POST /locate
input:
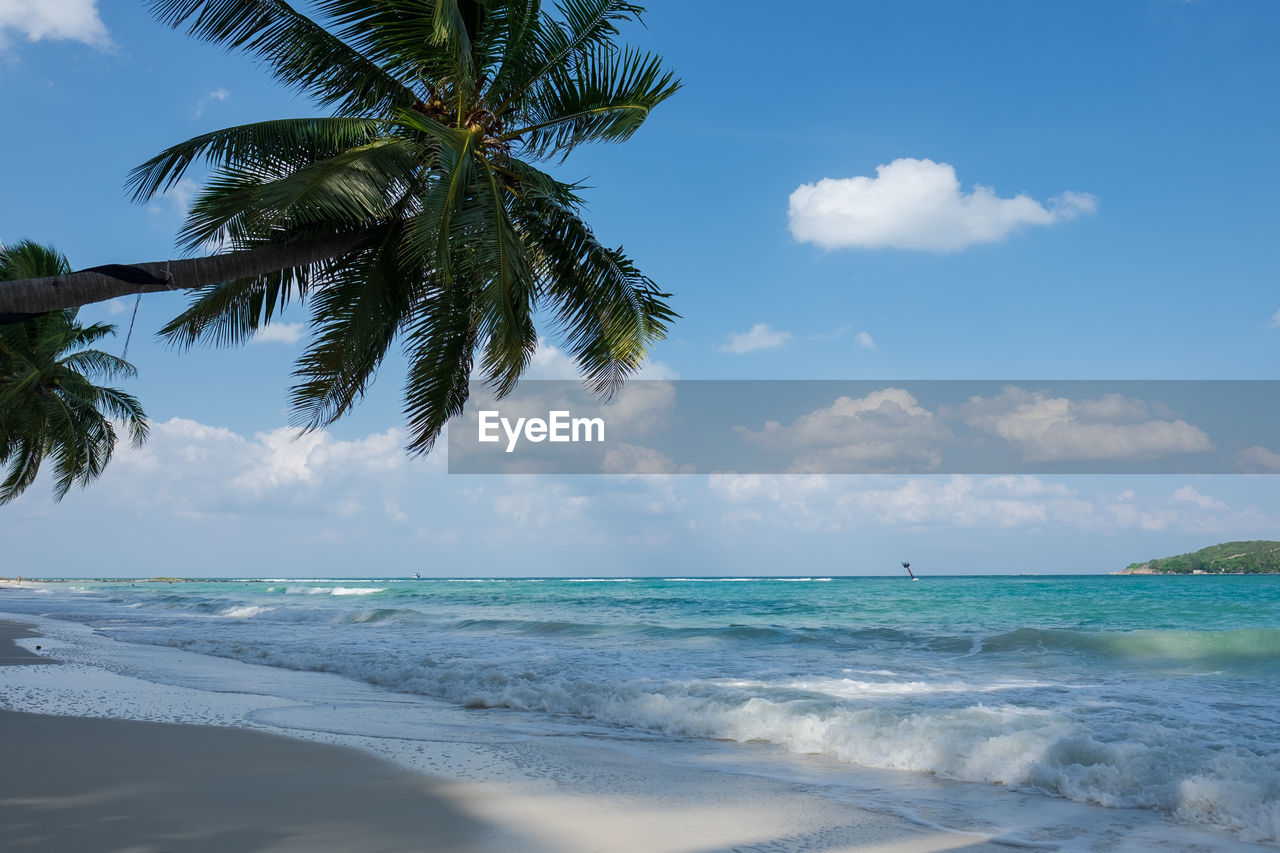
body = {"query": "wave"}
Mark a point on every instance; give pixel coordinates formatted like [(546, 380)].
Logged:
[(1221, 647), (741, 636), (245, 611), (385, 614), (711, 580), (332, 590), (976, 732)]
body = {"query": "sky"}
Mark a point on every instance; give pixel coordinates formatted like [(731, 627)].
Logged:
[(871, 190)]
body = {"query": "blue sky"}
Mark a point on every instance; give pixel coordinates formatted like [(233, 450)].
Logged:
[(813, 197)]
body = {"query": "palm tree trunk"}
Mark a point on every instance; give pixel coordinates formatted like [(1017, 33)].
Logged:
[(31, 296)]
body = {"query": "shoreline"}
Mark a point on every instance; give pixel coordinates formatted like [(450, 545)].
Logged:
[(89, 783)]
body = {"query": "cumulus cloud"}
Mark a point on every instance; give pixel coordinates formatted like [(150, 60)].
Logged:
[(1275, 319), (758, 337), (865, 341), (55, 20), (918, 204), (194, 469), (1051, 429), (885, 430), (278, 333)]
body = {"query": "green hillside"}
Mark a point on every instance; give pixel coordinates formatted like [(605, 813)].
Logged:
[(1260, 557)]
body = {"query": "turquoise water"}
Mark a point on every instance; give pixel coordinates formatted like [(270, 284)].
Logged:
[(1160, 693)]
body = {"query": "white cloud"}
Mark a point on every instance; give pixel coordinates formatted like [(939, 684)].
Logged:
[(918, 204), (1275, 319), (179, 197), (865, 341), (831, 335), (55, 20), (392, 508), (1005, 502), (546, 508), (792, 501), (839, 503), (885, 429), (194, 470), (218, 94), (278, 333), (1259, 460), (760, 336), (1188, 494), (1051, 429), (967, 502), (548, 362), (551, 362), (633, 459)]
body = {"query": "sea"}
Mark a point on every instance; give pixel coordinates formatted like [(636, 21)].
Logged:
[(1112, 707)]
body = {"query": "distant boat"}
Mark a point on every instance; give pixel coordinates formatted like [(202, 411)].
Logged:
[(417, 576), (907, 566)]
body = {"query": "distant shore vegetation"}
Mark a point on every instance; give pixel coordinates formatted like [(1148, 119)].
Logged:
[(1258, 557)]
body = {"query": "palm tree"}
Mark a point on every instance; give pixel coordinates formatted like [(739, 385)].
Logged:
[(418, 214), (49, 406)]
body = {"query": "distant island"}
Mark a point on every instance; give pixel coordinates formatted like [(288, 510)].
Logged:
[(1259, 557)]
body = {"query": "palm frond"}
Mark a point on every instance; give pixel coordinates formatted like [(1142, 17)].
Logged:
[(356, 187), (23, 461), (605, 96), (514, 44), (299, 52), (441, 344), (356, 318), (505, 302), (273, 147), (587, 25), (51, 410), (441, 217), (76, 335), (609, 312), (125, 408), (229, 313), (96, 363), (29, 259), (399, 35)]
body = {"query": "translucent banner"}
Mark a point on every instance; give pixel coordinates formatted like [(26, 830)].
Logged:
[(873, 427)]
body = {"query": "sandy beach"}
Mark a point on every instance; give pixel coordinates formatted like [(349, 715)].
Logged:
[(86, 784)]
